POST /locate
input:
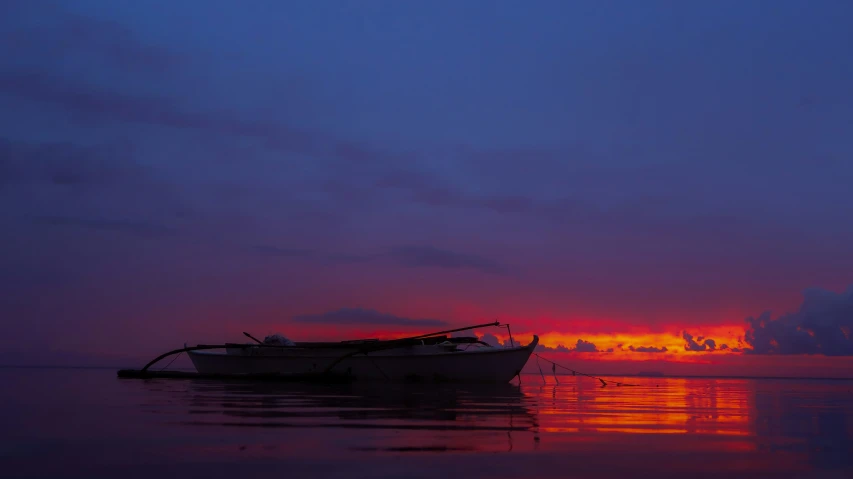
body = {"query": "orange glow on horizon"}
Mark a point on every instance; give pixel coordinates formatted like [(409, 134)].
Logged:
[(621, 343), (611, 346)]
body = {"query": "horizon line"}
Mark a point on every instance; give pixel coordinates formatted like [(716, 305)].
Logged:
[(662, 376)]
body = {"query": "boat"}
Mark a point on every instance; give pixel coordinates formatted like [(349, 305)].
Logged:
[(440, 359), (430, 357)]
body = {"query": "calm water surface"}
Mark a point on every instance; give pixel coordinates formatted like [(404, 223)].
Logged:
[(87, 423)]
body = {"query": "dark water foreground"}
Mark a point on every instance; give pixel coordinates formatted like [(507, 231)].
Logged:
[(87, 424)]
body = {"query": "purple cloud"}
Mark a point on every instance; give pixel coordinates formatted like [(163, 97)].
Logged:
[(67, 164), (58, 33), (275, 251), (319, 256), (547, 349), (429, 256), (585, 347), (647, 349), (699, 344), (136, 228), (580, 347), (365, 316), (822, 325), (428, 188), (105, 105)]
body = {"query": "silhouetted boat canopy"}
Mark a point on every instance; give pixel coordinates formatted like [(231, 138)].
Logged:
[(428, 357)]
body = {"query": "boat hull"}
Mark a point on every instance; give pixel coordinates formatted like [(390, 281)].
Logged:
[(487, 365)]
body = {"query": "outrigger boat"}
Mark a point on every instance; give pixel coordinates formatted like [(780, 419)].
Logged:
[(428, 357)]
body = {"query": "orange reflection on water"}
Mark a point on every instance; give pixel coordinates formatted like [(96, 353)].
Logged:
[(660, 406), (91, 423)]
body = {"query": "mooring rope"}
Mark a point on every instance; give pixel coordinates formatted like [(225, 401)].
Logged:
[(172, 361), (604, 382), (367, 355)]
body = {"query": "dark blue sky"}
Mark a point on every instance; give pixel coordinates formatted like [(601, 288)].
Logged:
[(189, 167)]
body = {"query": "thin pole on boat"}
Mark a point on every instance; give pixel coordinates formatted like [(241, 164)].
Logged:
[(422, 336), (392, 343), (382, 345), (252, 338)]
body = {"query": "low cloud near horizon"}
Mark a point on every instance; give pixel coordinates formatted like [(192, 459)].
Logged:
[(699, 344), (581, 346), (822, 325), (647, 349)]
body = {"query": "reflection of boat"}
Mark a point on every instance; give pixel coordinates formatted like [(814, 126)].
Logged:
[(429, 357), (478, 405), (370, 416)]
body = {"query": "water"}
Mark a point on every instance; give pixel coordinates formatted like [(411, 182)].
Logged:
[(88, 424)]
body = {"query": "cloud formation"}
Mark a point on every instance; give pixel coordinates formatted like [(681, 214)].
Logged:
[(822, 325), (67, 165), (429, 256), (90, 102), (271, 251), (87, 182), (581, 346), (275, 251), (365, 316), (136, 228), (647, 349), (585, 347), (541, 348), (430, 189), (699, 344), (58, 33)]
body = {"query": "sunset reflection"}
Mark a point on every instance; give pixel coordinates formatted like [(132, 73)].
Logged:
[(663, 427), (660, 406)]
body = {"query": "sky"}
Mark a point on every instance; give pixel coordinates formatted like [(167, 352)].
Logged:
[(645, 185)]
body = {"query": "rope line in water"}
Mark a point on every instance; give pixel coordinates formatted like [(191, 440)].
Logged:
[(554, 366)]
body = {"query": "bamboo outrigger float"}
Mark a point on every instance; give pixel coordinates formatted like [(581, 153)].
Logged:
[(427, 357)]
